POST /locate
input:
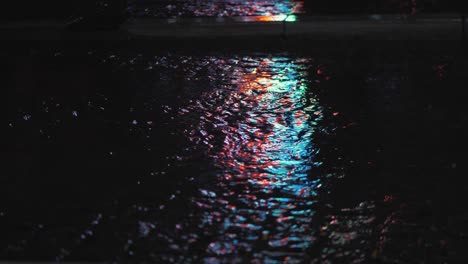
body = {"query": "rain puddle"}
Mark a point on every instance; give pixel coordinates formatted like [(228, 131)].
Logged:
[(278, 8), (215, 8), (212, 158), (257, 133), (217, 155)]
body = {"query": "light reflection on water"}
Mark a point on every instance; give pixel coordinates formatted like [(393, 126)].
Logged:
[(259, 134), (220, 156), (180, 159), (267, 8), (270, 18)]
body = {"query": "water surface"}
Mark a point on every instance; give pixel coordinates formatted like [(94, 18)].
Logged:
[(265, 158)]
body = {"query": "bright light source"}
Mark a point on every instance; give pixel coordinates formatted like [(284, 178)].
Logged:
[(270, 18)]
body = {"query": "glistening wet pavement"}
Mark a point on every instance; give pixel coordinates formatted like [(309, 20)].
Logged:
[(215, 8), (230, 8), (267, 158)]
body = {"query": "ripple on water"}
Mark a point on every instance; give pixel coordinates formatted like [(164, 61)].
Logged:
[(258, 129), (215, 8), (249, 123)]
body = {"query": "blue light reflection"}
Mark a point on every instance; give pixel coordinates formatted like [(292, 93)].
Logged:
[(259, 130)]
